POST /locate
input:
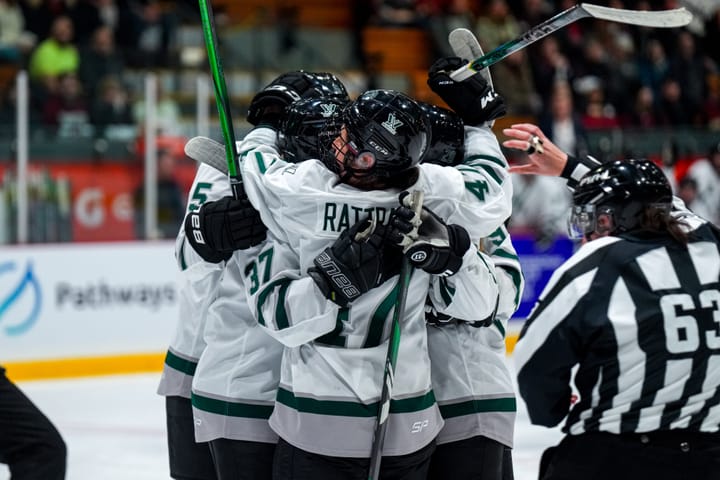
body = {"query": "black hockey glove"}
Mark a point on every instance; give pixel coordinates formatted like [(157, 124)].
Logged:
[(269, 105), (219, 228), (359, 260), (428, 242), (473, 99)]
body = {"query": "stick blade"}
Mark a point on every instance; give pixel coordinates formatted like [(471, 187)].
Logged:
[(465, 45), (208, 151), (678, 17)]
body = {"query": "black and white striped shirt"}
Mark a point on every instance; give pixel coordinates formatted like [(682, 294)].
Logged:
[(640, 320)]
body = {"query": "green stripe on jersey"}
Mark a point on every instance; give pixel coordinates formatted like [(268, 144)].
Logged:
[(478, 406), (352, 409), (281, 318), (180, 364), (231, 409)]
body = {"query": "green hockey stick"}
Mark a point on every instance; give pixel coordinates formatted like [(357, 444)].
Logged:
[(391, 359), (222, 99)]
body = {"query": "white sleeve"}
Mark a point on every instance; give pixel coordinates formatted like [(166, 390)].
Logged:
[(485, 197), (472, 293), (289, 305), (259, 156)]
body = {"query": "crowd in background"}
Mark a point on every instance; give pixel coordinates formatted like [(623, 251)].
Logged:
[(587, 76)]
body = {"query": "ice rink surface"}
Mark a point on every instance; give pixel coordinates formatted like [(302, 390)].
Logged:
[(114, 428)]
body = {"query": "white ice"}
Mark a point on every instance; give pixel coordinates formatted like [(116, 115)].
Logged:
[(114, 428)]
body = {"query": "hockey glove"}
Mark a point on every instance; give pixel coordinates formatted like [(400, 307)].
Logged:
[(219, 228), (359, 260), (269, 105), (473, 99), (433, 246)]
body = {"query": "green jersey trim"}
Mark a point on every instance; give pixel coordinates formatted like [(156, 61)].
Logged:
[(352, 409), (478, 406)]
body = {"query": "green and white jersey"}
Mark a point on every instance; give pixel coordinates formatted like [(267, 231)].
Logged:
[(332, 367), (198, 282), (237, 376), (470, 371)]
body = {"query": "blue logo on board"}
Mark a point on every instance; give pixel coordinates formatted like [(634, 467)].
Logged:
[(20, 299)]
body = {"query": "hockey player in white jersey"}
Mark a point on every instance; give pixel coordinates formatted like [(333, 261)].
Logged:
[(330, 377), (237, 375), (229, 225), (471, 375)]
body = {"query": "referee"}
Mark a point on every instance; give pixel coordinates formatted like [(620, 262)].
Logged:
[(636, 311)]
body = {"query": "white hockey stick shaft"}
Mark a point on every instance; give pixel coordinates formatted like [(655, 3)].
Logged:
[(678, 17)]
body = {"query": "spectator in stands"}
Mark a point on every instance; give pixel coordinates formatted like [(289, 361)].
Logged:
[(711, 106), (496, 25), (400, 13), (513, 80), (444, 17), (597, 113), (111, 107), (672, 110), (653, 67), (687, 191), (148, 34), (549, 66), (85, 16), (706, 173), (39, 16), (170, 200), (167, 112), (643, 114), (15, 41), (99, 60), (689, 68), (562, 124), (532, 12), (66, 110), (711, 40), (54, 56)]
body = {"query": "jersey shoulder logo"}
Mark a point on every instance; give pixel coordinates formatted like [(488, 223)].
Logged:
[(392, 124)]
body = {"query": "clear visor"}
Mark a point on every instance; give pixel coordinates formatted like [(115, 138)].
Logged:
[(582, 221), (360, 162)]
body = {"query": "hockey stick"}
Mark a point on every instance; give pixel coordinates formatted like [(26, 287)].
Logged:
[(678, 17), (221, 98), (206, 150), (465, 45), (391, 358)]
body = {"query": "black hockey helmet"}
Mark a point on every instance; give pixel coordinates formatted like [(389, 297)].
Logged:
[(306, 124), (387, 125), (447, 136), (328, 85), (292, 86), (622, 189)]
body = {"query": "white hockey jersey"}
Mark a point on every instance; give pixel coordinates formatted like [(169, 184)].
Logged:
[(332, 369), (471, 375), (198, 282), (237, 376)]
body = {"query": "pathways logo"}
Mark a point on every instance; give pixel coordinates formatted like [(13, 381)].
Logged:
[(20, 298)]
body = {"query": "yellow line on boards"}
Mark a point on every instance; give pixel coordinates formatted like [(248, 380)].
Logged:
[(110, 365), (84, 367)]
